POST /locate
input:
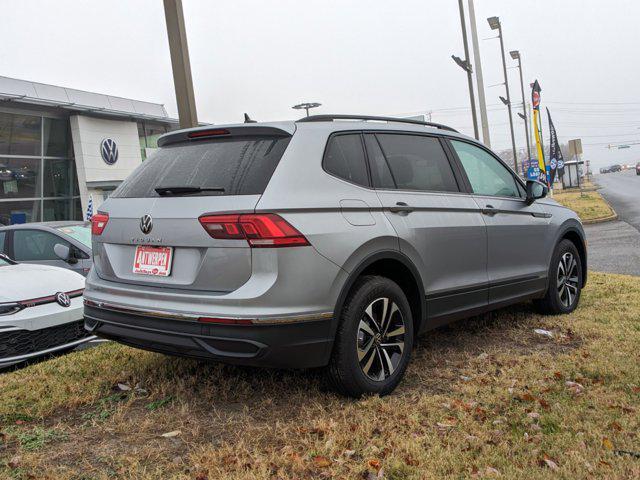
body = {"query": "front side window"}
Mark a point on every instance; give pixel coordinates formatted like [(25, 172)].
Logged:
[(418, 163), (344, 158), (486, 174), (35, 245)]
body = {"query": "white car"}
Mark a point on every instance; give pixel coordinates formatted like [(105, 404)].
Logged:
[(41, 311)]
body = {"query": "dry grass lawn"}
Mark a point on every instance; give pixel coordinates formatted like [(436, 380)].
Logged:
[(486, 397), (588, 205)]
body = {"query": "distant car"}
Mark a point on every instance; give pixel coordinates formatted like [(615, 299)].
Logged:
[(638, 168), (58, 244), (605, 170), (615, 168), (40, 311)]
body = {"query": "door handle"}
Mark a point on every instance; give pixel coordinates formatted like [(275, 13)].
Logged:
[(401, 207), (489, 210)]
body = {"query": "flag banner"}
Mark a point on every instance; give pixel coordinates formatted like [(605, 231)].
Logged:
[(556, 160), (89, 209), (537, 129)]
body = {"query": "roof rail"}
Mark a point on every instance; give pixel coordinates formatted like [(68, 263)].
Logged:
[(331, 118)]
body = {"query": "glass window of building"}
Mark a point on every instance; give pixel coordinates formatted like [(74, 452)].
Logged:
[(38, 179), (20, 134), (56, 137), (148, 133)]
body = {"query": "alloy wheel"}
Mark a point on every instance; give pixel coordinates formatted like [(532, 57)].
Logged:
[(381, 339), (567, 281)]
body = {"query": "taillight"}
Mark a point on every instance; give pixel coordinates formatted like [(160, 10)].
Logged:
[(98, 222), (266, 230)]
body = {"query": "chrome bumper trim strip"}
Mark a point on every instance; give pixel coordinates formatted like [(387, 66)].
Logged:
[(194, 317)]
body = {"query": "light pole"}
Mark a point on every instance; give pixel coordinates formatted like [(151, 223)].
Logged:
[(484, 121), (515, 54), (494, 23), (466, 66), (306, 106), (180, 64)]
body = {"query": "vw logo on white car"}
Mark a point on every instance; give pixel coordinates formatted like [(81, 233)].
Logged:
[(146, 224), (63, 299), (109, 151)]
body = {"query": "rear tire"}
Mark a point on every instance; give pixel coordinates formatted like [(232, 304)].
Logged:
[(374, 339), (565, 281)]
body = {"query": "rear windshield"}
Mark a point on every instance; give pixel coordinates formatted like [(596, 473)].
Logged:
[(226, 166)]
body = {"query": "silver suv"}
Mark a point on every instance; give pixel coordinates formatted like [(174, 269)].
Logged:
[(331, 242)]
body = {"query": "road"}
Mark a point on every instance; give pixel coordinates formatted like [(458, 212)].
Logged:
[(615, 246)]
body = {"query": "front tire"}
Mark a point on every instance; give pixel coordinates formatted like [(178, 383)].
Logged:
[(565, 281), (374, 339)]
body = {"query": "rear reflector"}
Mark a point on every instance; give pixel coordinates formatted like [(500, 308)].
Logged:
[(208, 133), (266, 230), (98, 222), (226, 321)]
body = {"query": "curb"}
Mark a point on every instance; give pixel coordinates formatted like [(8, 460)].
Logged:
[(608, 218), (593, 221)]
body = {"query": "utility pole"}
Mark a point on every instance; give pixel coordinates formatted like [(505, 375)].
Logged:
[(494, 23), (466, 65), (479, 78), (179, 50), (515, 54)]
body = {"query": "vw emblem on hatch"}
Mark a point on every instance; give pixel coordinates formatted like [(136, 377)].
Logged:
[(63, 299), (146, 224), (109, 151)]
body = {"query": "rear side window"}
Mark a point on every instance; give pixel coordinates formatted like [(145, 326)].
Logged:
[(418, 163), (344, 158), (3, 236), (229, 166), (380, 174)]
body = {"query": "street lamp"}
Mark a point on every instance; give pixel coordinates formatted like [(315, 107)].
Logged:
[(306, 106), (515, 54), (466, 66), (494, 23)]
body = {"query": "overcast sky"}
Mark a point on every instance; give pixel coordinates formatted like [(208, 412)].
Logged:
[(375, 57)]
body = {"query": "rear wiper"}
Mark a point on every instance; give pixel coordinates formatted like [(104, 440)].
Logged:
[(175, 191)]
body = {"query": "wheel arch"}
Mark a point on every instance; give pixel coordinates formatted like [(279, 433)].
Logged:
[(398, 267), (573, 232)]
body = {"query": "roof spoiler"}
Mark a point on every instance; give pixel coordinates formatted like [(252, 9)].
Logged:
[(211, 131)]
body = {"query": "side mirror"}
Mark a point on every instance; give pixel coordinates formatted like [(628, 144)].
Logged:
[(63, 252), (535, 190)]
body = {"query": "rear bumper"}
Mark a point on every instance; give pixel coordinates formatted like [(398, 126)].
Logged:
[(299, 343)]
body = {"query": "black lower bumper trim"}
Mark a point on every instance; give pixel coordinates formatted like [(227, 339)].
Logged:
[(302, 345)]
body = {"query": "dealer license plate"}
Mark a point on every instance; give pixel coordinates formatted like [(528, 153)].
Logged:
[(150, 260)]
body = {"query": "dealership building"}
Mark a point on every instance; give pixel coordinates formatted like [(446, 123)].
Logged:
[(61, 146)]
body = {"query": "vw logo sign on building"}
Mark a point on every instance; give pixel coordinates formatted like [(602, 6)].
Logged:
[(146, 224), (63, 299), (109, 151)]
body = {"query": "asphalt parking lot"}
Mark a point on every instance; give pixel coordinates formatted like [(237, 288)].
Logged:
[(614, 247)]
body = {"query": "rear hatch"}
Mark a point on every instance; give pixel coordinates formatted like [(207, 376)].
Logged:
[(205, 171)]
